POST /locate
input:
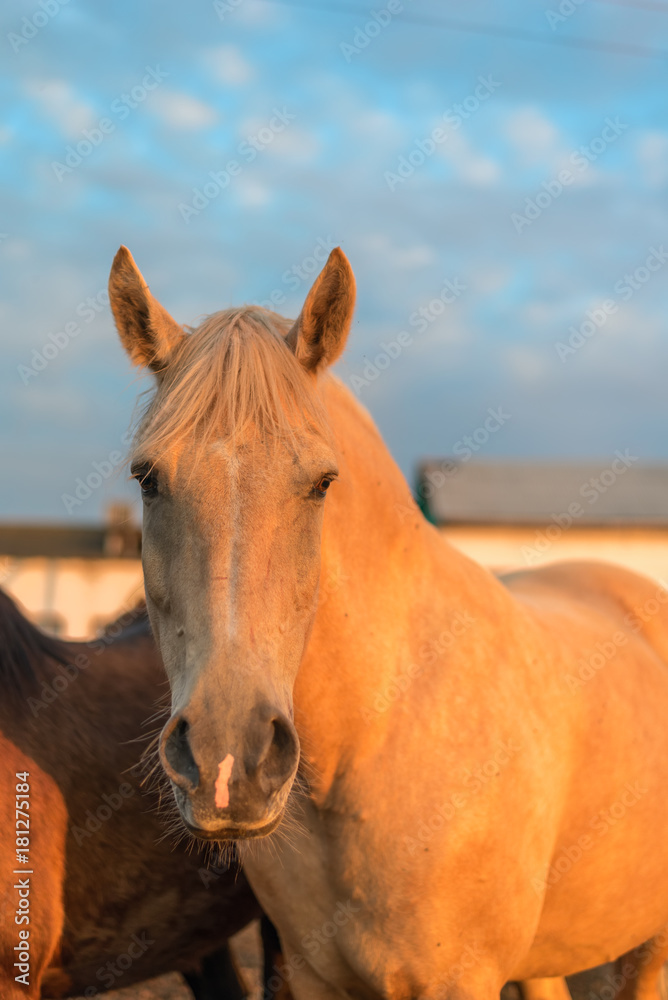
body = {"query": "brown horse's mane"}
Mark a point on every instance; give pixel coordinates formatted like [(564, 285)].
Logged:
[(28, 656), (233, 372), (24, 650), (129, 621)]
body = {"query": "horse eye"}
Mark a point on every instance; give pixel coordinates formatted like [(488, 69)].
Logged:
[(147, 479), (323, 485)]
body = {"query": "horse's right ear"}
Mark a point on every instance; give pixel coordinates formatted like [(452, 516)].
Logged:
[(147, 331), (319, 335)]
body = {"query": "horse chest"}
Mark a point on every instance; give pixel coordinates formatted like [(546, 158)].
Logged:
[(334, 920)]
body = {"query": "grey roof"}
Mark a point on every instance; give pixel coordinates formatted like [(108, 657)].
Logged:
[(57, 541), (606, 492)]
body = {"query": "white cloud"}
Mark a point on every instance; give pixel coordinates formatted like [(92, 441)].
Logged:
[(535, 138), (259, 13), (541, 315), (397, 258), (491, 280), (16, 248), (62, 104), (446, 331), (652, 154), (180, 110), (525, 363), (229, 65), (376, 124), (540, 144), (296, 144), (469, 165), (251, 193)]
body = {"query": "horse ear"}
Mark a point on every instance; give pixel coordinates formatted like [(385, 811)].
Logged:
[(147, 331), (319, 335)]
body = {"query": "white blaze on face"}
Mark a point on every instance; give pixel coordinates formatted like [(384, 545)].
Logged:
[(222, 782)]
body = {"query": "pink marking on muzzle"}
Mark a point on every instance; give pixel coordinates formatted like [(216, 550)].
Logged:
[(222, 782)]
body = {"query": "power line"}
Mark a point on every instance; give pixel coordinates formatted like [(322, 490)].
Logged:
[(493, 30)]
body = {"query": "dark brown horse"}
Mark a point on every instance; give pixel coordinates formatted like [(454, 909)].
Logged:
[(93, 893)]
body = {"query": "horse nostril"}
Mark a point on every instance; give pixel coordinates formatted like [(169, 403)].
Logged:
[(280, 756), (283, 739), (176, 748)]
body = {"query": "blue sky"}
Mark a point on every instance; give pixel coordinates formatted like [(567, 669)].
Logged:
[(169, 93)]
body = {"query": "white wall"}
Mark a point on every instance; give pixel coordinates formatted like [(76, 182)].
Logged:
[(644, 550), (79, 595)]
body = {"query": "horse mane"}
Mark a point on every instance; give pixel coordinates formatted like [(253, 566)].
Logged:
[(24, 651), (128, 623), (28, 655), (232, 373)]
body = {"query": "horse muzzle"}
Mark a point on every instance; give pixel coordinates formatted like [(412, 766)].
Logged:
[(223, 795)]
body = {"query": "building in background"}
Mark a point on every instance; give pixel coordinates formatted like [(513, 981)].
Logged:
[(511, 515), (71, 581)]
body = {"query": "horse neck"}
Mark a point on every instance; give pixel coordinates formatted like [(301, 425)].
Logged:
[(389, 583)]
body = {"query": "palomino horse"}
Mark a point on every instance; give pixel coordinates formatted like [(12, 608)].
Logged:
[(483, 793), (103, 899)]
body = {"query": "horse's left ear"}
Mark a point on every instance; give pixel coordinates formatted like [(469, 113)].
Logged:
[(147, 331), (319, 335)]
